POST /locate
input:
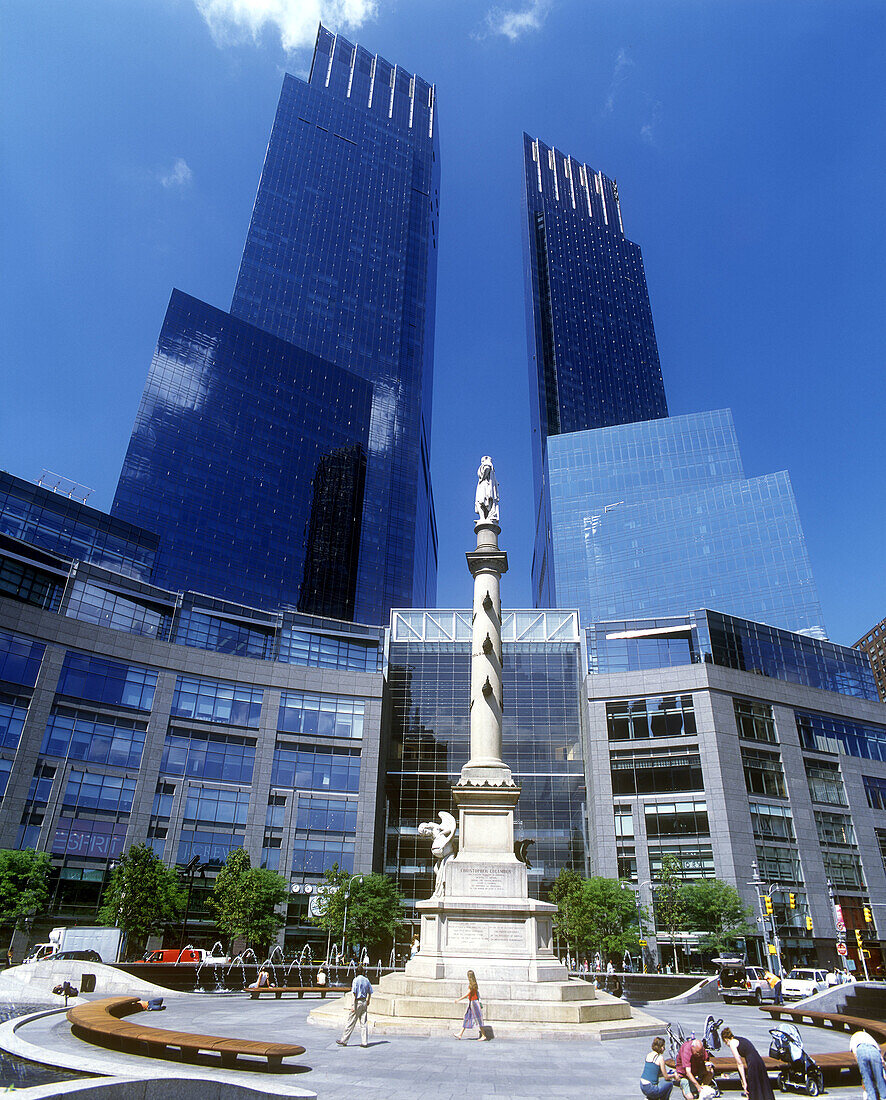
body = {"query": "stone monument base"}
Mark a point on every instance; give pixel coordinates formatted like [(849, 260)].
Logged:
[(571, 1009)]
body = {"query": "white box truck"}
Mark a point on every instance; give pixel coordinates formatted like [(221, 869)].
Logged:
[(105, 942)]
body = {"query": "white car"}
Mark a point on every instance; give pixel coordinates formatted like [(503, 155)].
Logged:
[(803, 982)]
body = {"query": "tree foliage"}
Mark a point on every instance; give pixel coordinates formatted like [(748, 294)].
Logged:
[(245, 900), (374, 908), (142, 897), (596, 914), (24, 883), (669, 911), (715, 909)]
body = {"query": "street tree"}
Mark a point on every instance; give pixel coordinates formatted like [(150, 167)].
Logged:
[(143, 897), (596, 914), (715, 909), (245, 901), (24, 885), (374, 903), (668, 902)]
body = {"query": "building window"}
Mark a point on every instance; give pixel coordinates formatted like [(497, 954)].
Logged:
[(111, 794), (688, 818), (875, 790), (772, 822), (824, 733), (754, 720), (763, 773), (834, 829), (91, 603), (881, 841), (5, 769), (697, 860), (84, 735), (206, 755), (163, 796), (20, 581), (299, 647), (211, 845), (844, 869), (217, 701), (216, 807), (320, 715), (825, 782), (275, 816), (779, 864), (318, 769), (13, 712), (659, 771), (656, 716), (201, 630), (19, 659), (109, 682)]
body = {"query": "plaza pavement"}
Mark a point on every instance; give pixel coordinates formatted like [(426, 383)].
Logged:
[(412, 1068)]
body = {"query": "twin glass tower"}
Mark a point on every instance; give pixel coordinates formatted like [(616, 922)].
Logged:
[(281, 448)]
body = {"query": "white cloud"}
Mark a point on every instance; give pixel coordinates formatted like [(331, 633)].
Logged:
[(232, 21), (179, 176), (512, 24), (623, 65), (648, 129)]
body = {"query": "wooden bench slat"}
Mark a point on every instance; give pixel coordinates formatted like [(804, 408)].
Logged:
[(102, 1019)]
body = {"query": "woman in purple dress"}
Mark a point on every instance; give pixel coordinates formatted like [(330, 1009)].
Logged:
[(751, 1068), (473, 1014)]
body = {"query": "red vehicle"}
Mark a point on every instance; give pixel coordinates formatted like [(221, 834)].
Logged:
[(175, 955)]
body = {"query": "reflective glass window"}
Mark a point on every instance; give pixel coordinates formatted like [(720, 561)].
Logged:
[(87, 677), (102, 739), (19, 658), (217, 701), (320, 715)]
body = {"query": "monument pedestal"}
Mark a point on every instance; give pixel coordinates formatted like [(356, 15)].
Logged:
[(481, 918)]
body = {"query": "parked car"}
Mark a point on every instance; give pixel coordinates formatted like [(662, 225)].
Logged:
[(184, 955), (744, 983), (86, 955), (804, 982)]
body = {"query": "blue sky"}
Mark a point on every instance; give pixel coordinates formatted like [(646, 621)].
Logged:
[(746, 138)]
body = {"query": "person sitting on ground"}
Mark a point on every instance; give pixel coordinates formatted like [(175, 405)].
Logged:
[(692, 1068), (655, 1077)]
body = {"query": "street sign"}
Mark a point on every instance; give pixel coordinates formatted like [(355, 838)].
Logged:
[(643, 943), (772, 950), (841, 948)]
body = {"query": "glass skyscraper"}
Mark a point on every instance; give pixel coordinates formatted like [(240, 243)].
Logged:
[(638, 514), (259, 495)]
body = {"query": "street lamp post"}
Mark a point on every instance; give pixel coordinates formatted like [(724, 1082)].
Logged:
[(192, 868), (774, 887)]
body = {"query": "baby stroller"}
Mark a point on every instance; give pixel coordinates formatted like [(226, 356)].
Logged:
[(800, 1071), (712, 1033)]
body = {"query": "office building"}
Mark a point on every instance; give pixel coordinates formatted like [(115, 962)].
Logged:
[(721, 741), (637, 513), (281, 450), (650, 517), (132, 714), (874, 645)]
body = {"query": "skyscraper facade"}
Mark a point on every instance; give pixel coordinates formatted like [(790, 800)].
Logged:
[(335, 295), (637, 513)]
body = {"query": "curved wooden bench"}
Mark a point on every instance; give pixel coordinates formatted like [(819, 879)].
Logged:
[(102, 1022), (301, 990)]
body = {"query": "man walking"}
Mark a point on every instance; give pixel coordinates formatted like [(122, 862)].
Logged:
[(362, 992)]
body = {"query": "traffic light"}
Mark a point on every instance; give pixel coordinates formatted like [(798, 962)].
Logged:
[(792, 899), (858, 936), (868, 918), (768, 901), (809, 924)]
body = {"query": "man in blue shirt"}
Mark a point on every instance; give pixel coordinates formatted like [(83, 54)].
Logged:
[(362, 991)]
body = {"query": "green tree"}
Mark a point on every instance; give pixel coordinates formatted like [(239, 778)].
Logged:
[(668, 902), (24, 884), (142, 897), (245, 900), (374, 908), (596, 914), (715, 909)]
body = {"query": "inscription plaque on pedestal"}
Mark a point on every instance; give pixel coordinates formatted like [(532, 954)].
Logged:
[(485, 933)]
